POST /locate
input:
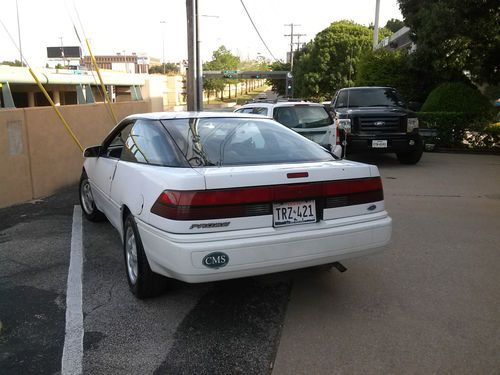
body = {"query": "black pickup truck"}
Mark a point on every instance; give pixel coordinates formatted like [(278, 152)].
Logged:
[(376, 119)]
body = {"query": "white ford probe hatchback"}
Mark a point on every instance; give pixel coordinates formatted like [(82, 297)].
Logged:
[(210, 196)]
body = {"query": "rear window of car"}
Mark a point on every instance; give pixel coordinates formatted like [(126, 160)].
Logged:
[(369, 97), (241, 141), (303, 116)]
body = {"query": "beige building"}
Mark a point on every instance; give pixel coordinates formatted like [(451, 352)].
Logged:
[(124, 63)]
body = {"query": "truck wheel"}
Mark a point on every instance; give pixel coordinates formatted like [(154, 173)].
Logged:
[(87, 203), (412, 157), (143, 282)]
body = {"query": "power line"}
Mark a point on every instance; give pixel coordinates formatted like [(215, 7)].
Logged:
[(14, 43), (258, 33), (298, 40)]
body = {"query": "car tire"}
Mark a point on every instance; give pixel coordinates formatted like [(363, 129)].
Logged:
[(87, 203), (142, 281), (412, 157)]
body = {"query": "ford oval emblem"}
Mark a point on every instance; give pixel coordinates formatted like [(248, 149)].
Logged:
[(379, 123), (372, 207), (215, 260)]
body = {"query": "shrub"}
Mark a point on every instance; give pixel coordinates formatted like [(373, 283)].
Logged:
[(456, 110), (459, 97), (450, 126), (461, 129)]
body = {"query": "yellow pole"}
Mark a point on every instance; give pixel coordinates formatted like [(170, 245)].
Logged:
[(106, 96), (68, 128)]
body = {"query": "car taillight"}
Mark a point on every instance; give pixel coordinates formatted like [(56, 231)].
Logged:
[(337, 135), (256, 201)]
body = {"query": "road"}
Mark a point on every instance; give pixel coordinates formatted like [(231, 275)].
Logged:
[(429, 303)]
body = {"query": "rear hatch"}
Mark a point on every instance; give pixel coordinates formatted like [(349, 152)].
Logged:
[(259, 174), (311, 121)]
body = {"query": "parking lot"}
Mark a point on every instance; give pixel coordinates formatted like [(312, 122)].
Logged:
[(429, 303)]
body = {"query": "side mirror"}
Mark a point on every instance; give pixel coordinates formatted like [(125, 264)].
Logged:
[(344, 124), (92, 152)]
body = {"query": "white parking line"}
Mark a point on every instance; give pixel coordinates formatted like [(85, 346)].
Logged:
[(73, 339)]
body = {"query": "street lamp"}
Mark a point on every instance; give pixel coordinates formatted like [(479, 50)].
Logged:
[(375, 26), (19, 34), (214, 17), (163, 45)]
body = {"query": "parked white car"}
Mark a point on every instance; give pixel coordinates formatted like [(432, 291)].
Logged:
[(210, 196), (312, 120)]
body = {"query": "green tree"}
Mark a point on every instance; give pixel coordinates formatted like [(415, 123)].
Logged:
[(11, 63), (396, 69), (170, 68), (394, 25), (278, 85), (329, 62), (222, 59), (454, 36)]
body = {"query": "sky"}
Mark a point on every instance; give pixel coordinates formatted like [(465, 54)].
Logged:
[(117, 26)]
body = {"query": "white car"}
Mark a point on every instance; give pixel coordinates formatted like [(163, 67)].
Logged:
[(312, 120), (211, 196)]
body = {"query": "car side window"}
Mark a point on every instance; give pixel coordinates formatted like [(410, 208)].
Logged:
[(286, 116), (115, 147), (149, 143), (245, 110), (260, 111)]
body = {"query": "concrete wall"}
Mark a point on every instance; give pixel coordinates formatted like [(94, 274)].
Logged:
[(37, 156), (154, 91), (15, 176)]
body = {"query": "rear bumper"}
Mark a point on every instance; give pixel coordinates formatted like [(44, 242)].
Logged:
[(395, 142), (266, 250)]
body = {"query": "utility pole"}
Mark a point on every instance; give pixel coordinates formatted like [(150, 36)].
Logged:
[(298, 40), (291, 35), (375, 26), (163, 45), (193, 76), (199, 73)]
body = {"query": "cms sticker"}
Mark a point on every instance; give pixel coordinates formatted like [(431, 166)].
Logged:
[(215, 260)]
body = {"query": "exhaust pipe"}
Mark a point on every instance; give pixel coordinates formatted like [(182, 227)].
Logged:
[(339, 266)]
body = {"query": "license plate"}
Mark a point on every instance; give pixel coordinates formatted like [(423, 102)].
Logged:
[(379, 144), (291, 213)]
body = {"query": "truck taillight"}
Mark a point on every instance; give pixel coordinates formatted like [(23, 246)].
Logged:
[(256, 201)]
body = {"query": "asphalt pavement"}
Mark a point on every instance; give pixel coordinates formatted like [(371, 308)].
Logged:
[(429, 303)]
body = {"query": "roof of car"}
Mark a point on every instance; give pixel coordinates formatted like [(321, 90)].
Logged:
[(365, 87), (192, 114), (278, 104)]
